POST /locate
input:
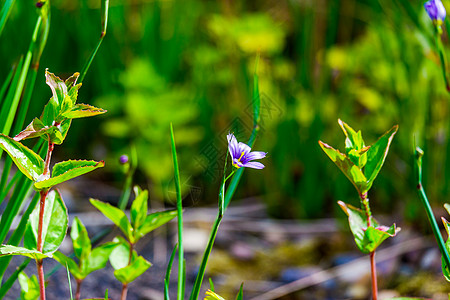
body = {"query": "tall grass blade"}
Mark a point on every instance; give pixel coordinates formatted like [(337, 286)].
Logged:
[(6, 84), (4, 13), (70, 283), (181, 278), (104, 20)]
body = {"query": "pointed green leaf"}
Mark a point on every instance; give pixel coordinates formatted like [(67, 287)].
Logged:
[(132, 271), (353, 173), (99, 257), (367, 238), (83, 111), (28, 162), (67, 170), (54, 227), (80, 240), (377, 154), (58, 87), (139, 208), (153, 221), (14, 250), (29, 287), (116, 215), (354, 139), (71, 264), (240, 295)]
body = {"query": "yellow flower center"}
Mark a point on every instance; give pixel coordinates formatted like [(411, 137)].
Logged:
[(239, 160)]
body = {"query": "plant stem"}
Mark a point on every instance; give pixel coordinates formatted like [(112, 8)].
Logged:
[(373, 272), (373, 266), (77, 293), (125, 285), (39, 246)]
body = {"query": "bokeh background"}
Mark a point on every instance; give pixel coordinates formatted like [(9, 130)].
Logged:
[(370, 63)]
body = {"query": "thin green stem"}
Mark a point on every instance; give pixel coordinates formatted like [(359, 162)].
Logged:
[(442, 57), (424, 199)]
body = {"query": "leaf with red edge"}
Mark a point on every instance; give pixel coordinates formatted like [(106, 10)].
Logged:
[(67, 170), (83, 111)]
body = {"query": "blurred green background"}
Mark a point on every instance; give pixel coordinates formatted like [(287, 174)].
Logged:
[(370, 63)]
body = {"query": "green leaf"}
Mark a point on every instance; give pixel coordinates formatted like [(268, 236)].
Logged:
[(240, 295), (153, 221), (28, 162), (445, 269), (99, 257), (80, 240), (29, 287), (447, 207), (119, 257), (139, 208), (353, 173), (67, 170), (58, 87), (354, 139), (377, 154), (14, 250), (132, 271), (71, 264), (54, 227), (83, 111), (367, 238), (116, 215)]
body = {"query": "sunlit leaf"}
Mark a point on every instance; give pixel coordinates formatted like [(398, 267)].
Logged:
[(99, 257), (28, 162), (139, 208), (119, 257), (35, 129), (210, 295), (377, 154), (54, 227), (83, 111), (155, 220), (29, 287), (80, 240), (67, 170), (116, 215), (367, 238), (14, 250), (132, 271), (353, 173), (354, 139), (445, 269)]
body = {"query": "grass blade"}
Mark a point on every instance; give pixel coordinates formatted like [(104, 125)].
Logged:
[(104, 20), (4, 13), (168, 271), (6, 84), (70, 284), (8, 283), (181, 278)]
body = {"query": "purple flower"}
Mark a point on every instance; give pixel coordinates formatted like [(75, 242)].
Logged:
[(241, 155), (435, 10), (123, 159)]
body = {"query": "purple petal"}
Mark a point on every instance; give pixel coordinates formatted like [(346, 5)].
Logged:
[(233, 146), (435, 10), (254, 155), (244, 148), (254, 165)]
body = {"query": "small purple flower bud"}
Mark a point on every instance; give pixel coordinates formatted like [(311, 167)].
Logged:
[(435, 10), (123, 159), (39, 4)]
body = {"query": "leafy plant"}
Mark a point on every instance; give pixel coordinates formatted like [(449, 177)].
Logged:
[(361, 165), (47, 224), (124, 259)]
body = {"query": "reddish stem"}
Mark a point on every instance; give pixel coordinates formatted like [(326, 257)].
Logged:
[(373, 267), (77, 294), (40, 270)]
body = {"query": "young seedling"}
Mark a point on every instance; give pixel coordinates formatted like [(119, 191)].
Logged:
[(124, 259), (29, 287), (89, 260), (47, 224), (361, 164)]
